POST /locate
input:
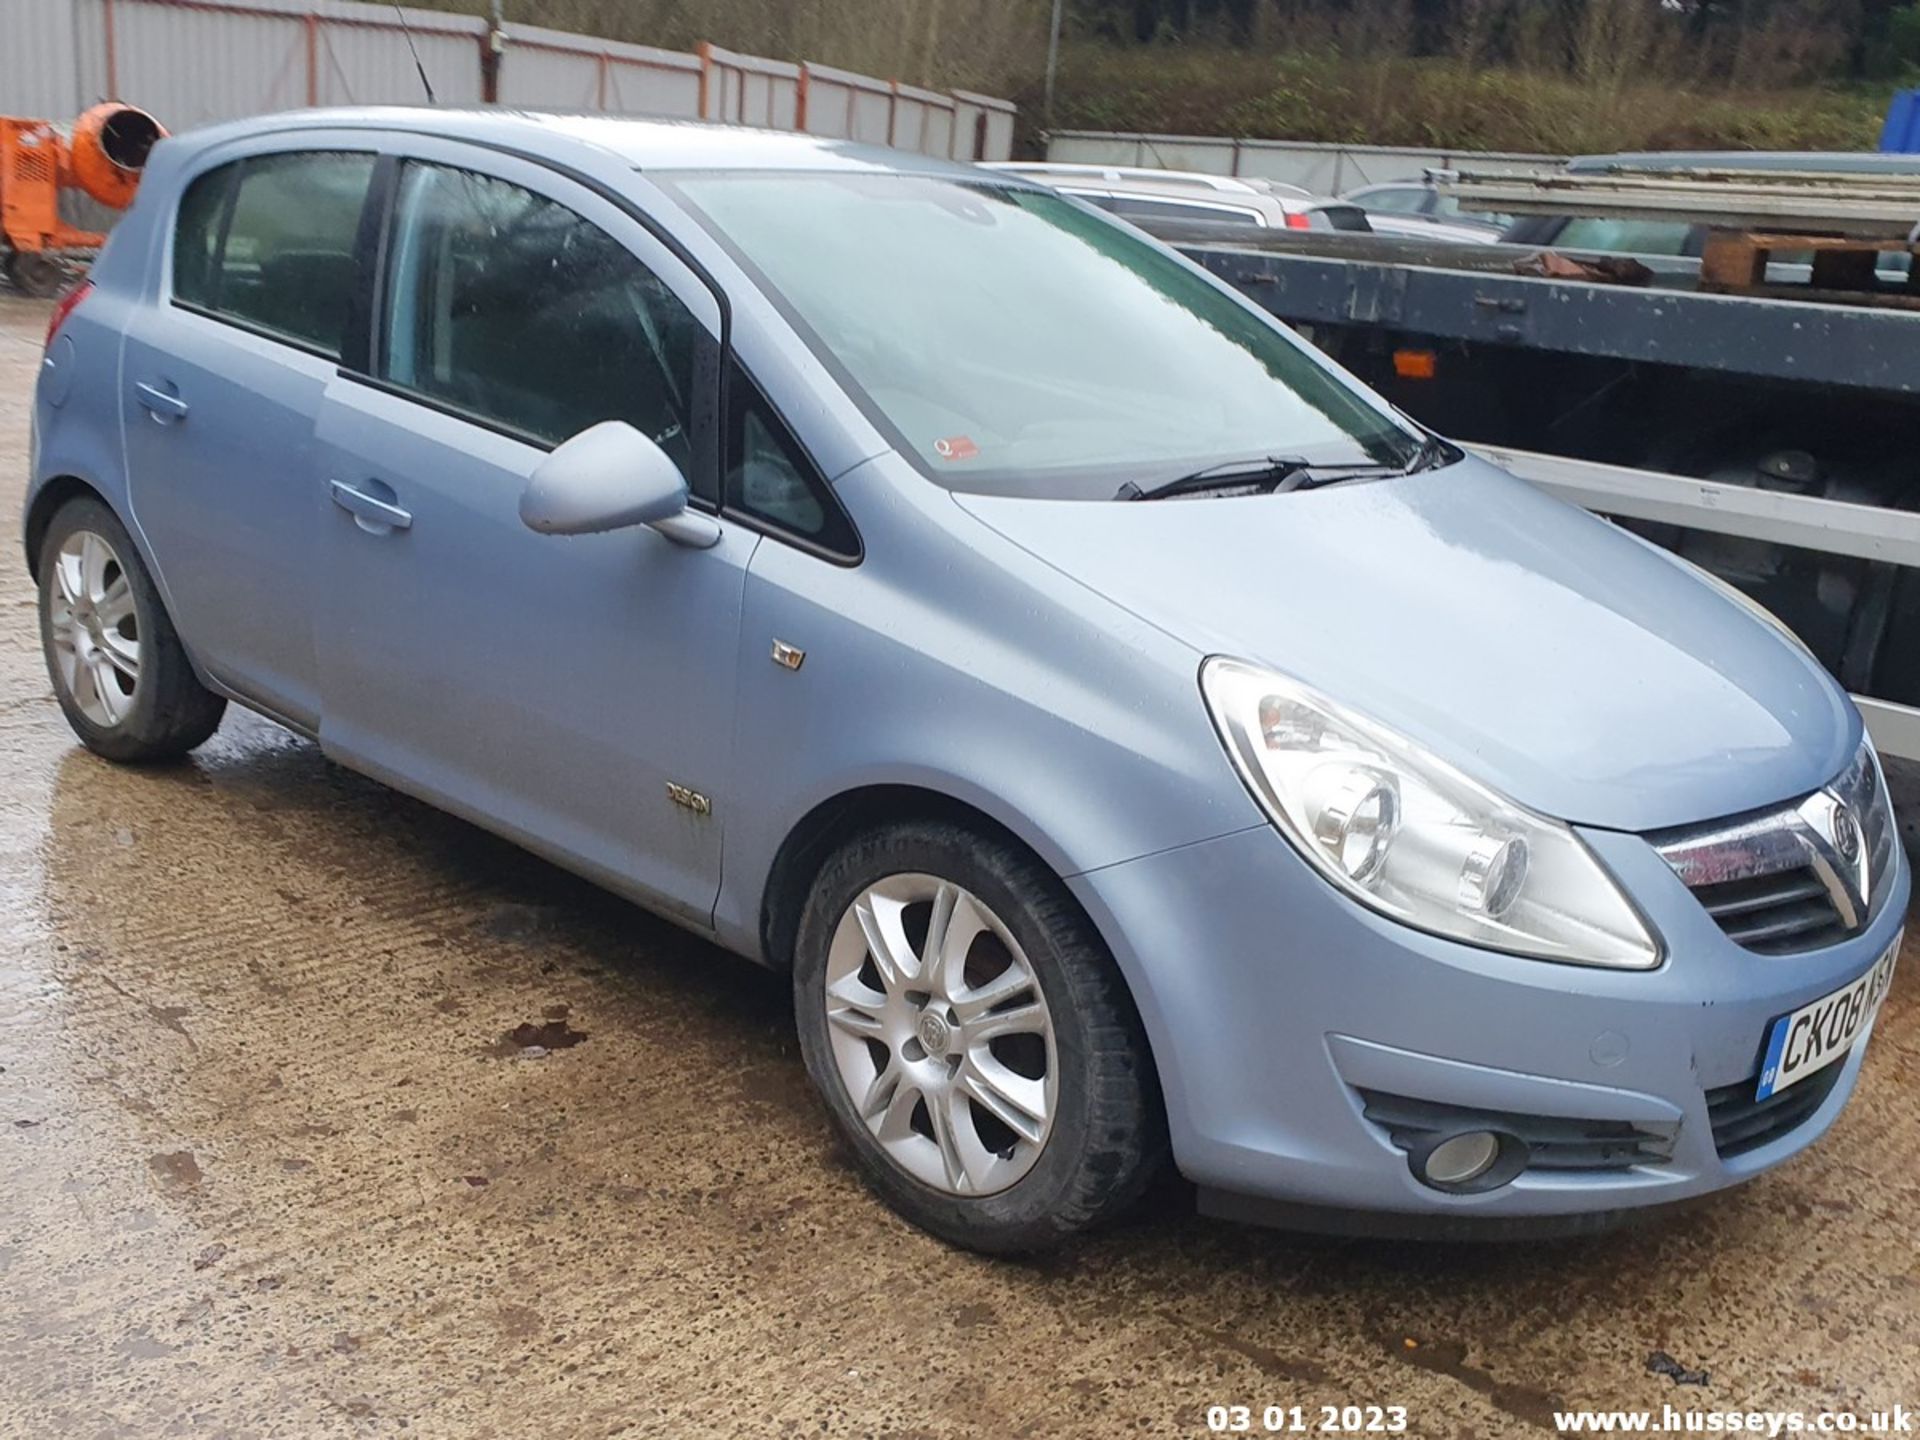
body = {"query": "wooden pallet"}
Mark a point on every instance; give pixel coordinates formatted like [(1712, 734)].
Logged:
[(1844, 269)]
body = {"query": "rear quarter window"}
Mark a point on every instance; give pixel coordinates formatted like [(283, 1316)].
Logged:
[(1338, 217), (196, 238)]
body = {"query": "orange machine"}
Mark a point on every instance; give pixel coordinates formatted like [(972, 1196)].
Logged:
[(103, 157)]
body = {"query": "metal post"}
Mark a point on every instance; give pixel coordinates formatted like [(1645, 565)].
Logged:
[(112, 56), (1053, 58), (313, 57), (493, 46)]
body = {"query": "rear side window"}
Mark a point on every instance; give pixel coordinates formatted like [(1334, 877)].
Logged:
[(269, 242), (509, 307), (1407, 201)]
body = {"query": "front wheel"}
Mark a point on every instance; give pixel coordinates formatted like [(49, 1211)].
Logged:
[(118, 670), (972, 1039)]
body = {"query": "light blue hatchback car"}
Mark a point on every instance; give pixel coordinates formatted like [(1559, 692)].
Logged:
[(1136, 738)]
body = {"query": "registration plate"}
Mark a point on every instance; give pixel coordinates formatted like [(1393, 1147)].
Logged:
[(1820, 1034)]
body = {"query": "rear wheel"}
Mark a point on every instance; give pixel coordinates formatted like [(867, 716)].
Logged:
[(972, 1039), (118, 670)]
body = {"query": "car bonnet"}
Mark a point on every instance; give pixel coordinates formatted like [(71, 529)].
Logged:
[(1547, 653)]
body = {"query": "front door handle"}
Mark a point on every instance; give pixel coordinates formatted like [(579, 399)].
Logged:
[(372, 512), (164, 405)]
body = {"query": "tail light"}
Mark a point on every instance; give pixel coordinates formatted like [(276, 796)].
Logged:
[(65, 306), (1299, 220)]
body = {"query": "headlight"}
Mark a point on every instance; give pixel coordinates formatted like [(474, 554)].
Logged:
[(1405, 833)]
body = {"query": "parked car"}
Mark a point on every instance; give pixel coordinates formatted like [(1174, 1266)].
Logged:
[(1420, 227), (1132, 736), (1191, 197), (1422, 200)]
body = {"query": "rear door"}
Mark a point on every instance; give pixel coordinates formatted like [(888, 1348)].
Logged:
[(223, 375)]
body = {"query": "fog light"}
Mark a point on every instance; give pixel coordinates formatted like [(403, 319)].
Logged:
[(1469, 1161), (1462, 1159)]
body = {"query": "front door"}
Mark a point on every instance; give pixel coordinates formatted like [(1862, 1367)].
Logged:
[(572, 692)]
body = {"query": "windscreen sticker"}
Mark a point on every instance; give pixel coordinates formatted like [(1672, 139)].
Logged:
[(955, 447)]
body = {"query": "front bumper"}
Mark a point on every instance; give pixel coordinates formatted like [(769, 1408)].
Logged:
[(1272, 1001)]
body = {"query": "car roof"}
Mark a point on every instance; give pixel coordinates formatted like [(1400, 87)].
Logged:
[(1145, 180), (646, 144), (1271, 198)]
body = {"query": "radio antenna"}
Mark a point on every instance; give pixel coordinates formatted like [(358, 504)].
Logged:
[(407, 30)]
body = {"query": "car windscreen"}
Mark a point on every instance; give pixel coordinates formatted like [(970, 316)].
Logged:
[(1010, 340)]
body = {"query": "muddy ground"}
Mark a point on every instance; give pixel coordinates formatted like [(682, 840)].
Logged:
[(275, 1160)]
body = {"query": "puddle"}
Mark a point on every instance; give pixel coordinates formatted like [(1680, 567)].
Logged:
[(529, 1041), (177, 1169)]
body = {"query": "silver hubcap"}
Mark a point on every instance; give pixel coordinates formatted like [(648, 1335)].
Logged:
[(941, 1034), (96, 632)]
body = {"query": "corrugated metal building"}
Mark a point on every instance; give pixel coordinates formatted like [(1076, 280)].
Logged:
[(192, 62)]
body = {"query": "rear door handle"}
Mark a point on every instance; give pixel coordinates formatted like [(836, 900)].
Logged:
[(369, 508), (165, 406)]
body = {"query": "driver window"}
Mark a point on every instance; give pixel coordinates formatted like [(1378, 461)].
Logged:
[(509, 307)]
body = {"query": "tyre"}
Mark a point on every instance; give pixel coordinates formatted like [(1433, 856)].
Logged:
[(973, 1039), (36, 275), (118, 670)]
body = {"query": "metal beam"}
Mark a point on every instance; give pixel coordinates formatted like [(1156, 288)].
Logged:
[(1869, 205), (1895, 728), (1847, 346), (1833, 527)]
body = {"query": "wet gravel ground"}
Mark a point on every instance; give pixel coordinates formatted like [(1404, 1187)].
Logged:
[(322, 1113)]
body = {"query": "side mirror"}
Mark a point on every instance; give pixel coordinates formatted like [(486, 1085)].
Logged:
[(611, 477)]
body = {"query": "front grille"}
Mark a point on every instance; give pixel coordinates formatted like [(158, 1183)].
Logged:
[(1553, 1143), (1779, 882), (1742, 1123), (1777, 914)]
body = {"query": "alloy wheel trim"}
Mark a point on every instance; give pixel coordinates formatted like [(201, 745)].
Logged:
[(94, 628), (923, 1104)]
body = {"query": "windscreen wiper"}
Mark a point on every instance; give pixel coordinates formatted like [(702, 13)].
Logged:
[(1277, 474), (1432, 455)]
